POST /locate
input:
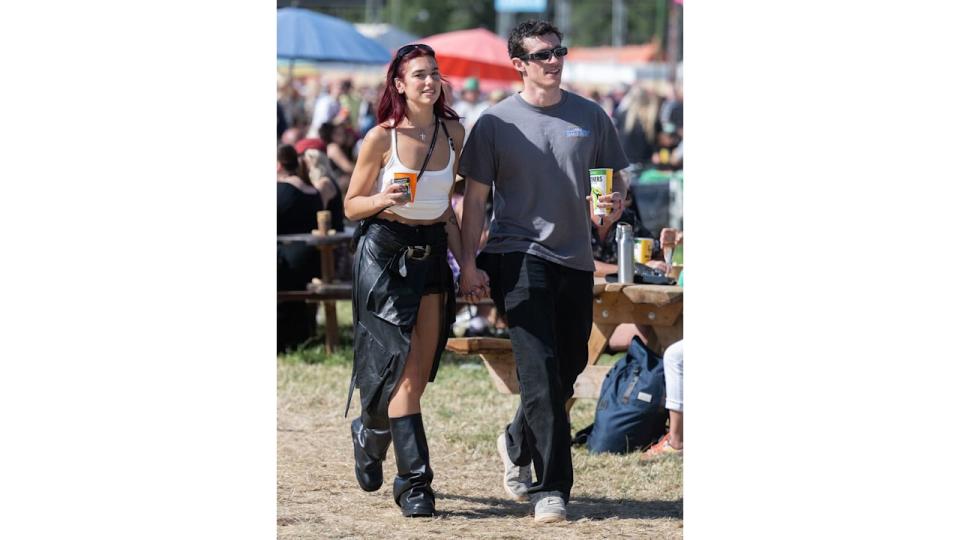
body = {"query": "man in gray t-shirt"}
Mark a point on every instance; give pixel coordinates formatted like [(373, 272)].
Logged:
[(535, 150), (538, 159)]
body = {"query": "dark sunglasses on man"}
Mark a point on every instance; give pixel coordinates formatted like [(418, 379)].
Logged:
[(543, 56)]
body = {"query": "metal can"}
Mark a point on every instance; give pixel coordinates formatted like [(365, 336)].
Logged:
[(408, 185), (601, 183), (642, 250)]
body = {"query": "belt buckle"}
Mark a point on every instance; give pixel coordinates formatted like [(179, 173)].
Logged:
[(418, 253)]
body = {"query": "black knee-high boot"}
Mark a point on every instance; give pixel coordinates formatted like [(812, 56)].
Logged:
[(369, 450), (411, 487)]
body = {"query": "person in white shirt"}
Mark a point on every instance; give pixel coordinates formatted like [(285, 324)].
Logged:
[(325, 109)]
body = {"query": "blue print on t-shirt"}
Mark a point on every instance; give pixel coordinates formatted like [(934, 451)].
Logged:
[(577, 132)]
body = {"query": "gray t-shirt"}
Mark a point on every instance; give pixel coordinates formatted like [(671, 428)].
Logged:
[(538, 161)]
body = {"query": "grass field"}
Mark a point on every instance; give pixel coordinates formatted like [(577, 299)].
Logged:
[(318, 497)]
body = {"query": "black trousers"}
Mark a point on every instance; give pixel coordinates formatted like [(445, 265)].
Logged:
[(549, 312)]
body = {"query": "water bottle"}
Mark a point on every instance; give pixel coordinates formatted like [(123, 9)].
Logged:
[(624, 240)]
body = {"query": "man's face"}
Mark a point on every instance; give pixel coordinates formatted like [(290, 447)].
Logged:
[(543, 73)]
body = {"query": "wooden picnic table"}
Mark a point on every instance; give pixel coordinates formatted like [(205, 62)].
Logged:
[(329, 289), (659, 306)]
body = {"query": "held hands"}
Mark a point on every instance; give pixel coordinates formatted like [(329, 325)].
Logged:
[(474, 283), (613, 201)]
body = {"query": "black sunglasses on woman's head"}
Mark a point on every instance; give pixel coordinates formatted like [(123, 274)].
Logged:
[(407, 49), (544, 55)]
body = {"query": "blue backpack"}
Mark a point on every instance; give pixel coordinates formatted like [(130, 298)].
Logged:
[(630, 411)]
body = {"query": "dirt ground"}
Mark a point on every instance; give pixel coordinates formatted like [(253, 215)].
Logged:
[(318, 497)]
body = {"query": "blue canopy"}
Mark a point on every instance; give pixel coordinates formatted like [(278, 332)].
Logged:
[(307, 35)]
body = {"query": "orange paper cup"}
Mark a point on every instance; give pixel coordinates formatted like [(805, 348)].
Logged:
[(409, 183)]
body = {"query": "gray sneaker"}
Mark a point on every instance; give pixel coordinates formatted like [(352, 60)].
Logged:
[(548, 507), (516, 479)]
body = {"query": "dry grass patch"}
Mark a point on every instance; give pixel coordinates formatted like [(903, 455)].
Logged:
[(318, 497)]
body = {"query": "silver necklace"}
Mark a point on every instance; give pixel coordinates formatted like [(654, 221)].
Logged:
[(423, 136)]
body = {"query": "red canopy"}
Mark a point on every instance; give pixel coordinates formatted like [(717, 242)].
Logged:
[(474, 53)]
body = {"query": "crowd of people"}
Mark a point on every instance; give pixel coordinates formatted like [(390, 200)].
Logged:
[(529, 241), (647, 115)]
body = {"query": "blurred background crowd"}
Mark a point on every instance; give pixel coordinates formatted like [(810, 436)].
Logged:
[(334, 114)]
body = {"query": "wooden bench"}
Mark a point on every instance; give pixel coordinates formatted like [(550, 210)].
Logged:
[(327, 291), (497, 356), (317, 294)]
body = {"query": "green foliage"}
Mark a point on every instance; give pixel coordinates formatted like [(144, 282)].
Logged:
[(590, 23), (315, 353), (590, 20), (428, 17)]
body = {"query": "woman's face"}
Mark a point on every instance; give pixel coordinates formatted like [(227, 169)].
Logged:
[(420, 81)]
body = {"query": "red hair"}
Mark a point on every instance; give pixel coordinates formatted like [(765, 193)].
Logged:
[(393, 106)]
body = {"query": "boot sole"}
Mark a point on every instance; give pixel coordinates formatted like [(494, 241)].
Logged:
[(419, 512), (368, 489)]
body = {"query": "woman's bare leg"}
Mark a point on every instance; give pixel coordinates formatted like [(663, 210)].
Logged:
[(416, 372)]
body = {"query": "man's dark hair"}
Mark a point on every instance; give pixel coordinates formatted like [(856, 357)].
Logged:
[(287, 156), (325, 133), (529, 28)]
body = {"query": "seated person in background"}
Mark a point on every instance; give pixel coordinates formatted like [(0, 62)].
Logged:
[(672, 441), (291, 135), (297, 205), (316, 167), (297, 200), (339, 144), (604, 243), (664, 156), (603, 239)]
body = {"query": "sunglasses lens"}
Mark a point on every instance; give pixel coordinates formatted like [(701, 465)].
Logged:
[(545, 55)]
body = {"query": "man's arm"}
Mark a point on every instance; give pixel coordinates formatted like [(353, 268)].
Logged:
[(472, 282)]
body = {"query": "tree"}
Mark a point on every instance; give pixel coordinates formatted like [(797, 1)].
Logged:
[(428, 17), (591, 22)]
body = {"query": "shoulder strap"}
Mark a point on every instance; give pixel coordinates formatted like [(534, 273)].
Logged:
[(433, 144), (449, 138)]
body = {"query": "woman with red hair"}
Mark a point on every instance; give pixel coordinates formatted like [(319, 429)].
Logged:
[(403, 292)]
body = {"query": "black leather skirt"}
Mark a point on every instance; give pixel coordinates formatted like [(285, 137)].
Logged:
[(394, 267)]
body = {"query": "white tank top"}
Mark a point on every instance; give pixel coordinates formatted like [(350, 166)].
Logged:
[(433, 189)]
